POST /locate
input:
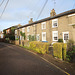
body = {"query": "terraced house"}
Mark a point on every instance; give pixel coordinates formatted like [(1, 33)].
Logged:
[(60, 26)]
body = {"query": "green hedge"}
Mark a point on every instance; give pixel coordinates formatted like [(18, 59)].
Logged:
[(59, 50), (39, 47)]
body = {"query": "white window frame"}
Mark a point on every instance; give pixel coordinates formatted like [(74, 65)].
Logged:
[(23, 30), (15, 37), (27, 36), (44, 23), (28, 29), (63, 36), (37, 37), (54, 35), (1, 35), (20, 37), (53, 23), (15, 31), (42, 36)]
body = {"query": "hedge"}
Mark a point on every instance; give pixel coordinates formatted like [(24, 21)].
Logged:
[(39, 47), (59, 50), (64, 49)]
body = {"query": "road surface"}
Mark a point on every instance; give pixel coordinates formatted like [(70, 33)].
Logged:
[(15, 60)]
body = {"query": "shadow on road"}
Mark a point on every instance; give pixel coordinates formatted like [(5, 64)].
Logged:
[(2, 45)]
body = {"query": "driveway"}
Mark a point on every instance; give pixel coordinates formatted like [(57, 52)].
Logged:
[(15, 60)]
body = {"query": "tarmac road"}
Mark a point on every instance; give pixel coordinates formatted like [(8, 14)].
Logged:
[(15, 60)]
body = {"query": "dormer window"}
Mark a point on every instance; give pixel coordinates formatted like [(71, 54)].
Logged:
[(54, 23)]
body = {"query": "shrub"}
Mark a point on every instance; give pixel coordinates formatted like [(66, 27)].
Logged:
[(70, 50), (59, 50), (39, 47), (17, 39), (23, 35), (60, 40), (64, 49)]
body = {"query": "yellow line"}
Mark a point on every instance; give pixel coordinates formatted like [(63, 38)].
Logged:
[(47, 61), (50, 63)]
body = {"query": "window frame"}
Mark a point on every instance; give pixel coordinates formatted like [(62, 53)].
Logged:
[(15, 31), (37, 36), (27, 36), (28, 29), (63, 36), (53, 23), (23, 30), (43, 24), (54, 35)]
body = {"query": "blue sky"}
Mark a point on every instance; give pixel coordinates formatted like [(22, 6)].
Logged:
[(20, 11)]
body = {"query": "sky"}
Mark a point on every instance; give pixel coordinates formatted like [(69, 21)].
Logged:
[(20, 11)]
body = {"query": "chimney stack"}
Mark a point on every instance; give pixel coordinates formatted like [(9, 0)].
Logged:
[(53, 13), (31, 20)]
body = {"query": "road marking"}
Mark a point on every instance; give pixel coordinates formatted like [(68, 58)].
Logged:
[(46, 61), (50, 63)]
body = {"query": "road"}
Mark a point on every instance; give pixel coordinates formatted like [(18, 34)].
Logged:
[(15, 60)]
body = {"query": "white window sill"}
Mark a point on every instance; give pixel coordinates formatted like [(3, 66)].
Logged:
[(55, 27)]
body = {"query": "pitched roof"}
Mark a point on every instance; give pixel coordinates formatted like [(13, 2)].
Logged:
[(49, 18)]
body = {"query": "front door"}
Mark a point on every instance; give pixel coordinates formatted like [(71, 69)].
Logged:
[(65, 37)]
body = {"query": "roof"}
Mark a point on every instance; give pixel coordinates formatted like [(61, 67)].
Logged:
[(16, 26), (49, 18)]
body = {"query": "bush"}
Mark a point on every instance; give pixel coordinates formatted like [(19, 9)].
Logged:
[(60, 40), (59, 50), (70, 50), (64, 49), (39, 47), (17, 39)]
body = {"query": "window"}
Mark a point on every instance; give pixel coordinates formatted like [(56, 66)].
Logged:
[(15, 31), (65, 36), (55, 35), (28, 29), (23, 30), (27, 36), (20, 37), (15, 37), (43, 36), (38, 37), (8, 31), (54, 23), (1, 35), (44, 25)]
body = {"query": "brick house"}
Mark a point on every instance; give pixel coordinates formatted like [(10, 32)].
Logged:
[(9, 33), (60, 26), (1, 35)]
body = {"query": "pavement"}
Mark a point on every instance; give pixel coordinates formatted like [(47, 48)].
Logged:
[(15, 60)]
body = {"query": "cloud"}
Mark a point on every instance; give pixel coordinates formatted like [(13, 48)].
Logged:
[(18, 11)]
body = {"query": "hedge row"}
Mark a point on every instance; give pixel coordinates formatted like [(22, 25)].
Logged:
[(39, 47), (59, 50)]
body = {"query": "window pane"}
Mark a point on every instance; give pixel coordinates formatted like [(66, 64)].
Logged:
[(55, 24), (55, 38), (65, 36)]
